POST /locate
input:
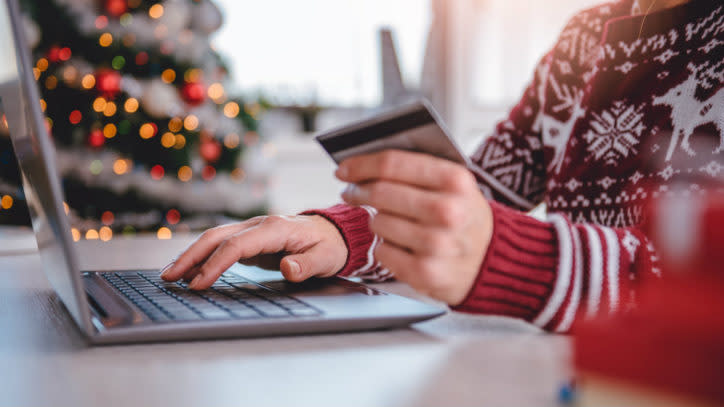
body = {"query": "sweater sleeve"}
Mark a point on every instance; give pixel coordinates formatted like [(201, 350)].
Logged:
[(353, 224), (551, 273), (509, 165)]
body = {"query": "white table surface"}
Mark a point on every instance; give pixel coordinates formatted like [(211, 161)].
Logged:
[(455, 360)]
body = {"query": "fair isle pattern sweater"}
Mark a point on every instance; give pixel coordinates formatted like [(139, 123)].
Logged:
[(614, 92)]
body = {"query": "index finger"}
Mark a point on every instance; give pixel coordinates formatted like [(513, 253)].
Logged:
[(202, 247), (418, 169)]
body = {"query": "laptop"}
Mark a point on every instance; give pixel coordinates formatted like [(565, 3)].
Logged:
[(125, 306)]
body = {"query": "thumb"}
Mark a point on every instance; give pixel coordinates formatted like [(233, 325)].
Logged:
[(315, 262)]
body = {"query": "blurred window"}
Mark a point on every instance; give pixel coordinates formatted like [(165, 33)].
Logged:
[(323, 51)]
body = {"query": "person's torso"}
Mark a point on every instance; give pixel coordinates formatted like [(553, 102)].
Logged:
[(629, 103)]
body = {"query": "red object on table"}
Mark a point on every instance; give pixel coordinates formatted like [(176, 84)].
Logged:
[(674, 340)]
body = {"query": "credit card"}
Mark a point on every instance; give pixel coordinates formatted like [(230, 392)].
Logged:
[(412, 127)]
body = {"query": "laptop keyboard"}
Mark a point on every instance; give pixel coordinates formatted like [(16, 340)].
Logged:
[(231, 297)]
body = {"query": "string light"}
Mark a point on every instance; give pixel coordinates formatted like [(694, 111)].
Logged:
[(6, 202), (99, 104), (70, 74), (168, 76), (173, 216), (131, 105), (168, 139), (101, 22), (163, 233), (185, 173), (147, 130), (175, 124), (180, 142), (215, 91), (238, 175), (75, 117), (64, 54), (75, 233), (156, 11), (96, 167), (36, 73), (126, 19), (157, 172), (91, 234), (105, 233), (42, 64), (51, 82), (110, 109), (66, 208), (118, 62), (43, 105), (107, 218), (193, 75), (191, 122), (141, 58), (208, 173), (109, 130), (231, 140), (88, 81), (231, 109), (120, 167), (105, 40)]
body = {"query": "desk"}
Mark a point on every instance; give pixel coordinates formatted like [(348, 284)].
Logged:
[(456, 360)]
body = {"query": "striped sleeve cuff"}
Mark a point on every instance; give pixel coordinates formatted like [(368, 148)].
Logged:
[(518, 273), (353, 224)]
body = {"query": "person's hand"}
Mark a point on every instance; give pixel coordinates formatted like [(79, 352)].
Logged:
[(301, 246), (434, 221)]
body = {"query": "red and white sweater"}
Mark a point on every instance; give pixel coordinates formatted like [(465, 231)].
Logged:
[(615, 92)]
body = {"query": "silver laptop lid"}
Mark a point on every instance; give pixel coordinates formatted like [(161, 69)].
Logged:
[(20, 100)]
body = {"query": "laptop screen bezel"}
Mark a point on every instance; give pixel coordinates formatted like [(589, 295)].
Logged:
[(41, 181)]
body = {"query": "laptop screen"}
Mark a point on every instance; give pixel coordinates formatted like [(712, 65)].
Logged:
[(20, 101)]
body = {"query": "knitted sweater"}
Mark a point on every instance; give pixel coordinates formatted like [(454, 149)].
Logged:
[(614, 92)]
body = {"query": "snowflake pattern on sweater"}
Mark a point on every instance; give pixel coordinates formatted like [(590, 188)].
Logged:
[(615, 93)]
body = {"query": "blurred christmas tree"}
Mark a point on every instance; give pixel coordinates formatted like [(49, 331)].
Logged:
[(145, 132)]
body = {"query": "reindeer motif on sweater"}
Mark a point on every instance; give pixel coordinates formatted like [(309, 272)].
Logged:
[(688, 112)]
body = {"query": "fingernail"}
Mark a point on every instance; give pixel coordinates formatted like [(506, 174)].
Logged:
[(341, 171), (349, 189), (294, 266), (166, 268), (193, 284)]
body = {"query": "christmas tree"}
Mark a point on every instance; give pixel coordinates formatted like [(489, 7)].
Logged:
[(147, 137)]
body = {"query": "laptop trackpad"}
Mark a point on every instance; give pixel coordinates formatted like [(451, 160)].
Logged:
[(334, 286)]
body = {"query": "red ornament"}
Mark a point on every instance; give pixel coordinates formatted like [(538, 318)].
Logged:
[(108, 83), (210, 150), (96, 139), (53, 54), (193, 93), (116, 8), (157, 172)]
